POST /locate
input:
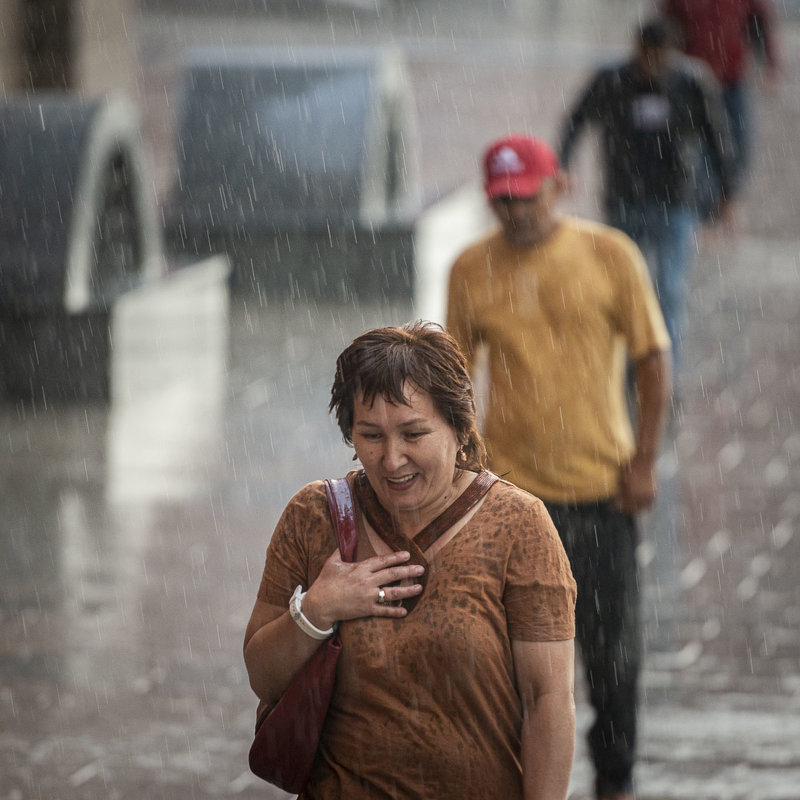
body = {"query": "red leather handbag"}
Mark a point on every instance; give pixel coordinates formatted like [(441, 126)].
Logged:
[(288, 733)]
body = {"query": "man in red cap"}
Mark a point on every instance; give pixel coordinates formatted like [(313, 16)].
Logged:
[(561, 305)]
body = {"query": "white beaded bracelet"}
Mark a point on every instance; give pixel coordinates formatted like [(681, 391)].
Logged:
[(305, 624)]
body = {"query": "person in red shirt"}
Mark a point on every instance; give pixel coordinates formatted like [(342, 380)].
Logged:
[(723, 33)]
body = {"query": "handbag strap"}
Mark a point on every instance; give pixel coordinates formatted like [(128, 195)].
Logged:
[(340, 502), (343, 516)]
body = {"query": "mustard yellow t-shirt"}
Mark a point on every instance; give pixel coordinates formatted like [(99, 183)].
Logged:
[(557, 319)]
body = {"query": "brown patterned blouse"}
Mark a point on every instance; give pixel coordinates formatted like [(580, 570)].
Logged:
[(426, 707)]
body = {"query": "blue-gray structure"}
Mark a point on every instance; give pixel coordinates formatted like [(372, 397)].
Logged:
[(78, 228), (300, 164)]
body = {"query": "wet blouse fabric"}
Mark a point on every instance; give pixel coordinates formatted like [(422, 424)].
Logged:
[(426, 706)]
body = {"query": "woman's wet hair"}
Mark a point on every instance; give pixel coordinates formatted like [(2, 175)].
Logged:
[(381, 362)]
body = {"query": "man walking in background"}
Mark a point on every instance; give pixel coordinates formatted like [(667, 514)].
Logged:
[(561, 304), (654, 117)]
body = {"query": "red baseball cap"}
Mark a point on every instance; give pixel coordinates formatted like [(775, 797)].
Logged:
[(516, 166)]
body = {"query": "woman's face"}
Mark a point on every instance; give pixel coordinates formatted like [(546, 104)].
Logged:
[(408, 452)]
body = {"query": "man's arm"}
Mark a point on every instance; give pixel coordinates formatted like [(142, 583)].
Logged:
[(637, 485), (577, 117), (545, 681), (714, 129)]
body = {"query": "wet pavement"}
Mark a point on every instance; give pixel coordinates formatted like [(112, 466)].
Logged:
[(133, 534)]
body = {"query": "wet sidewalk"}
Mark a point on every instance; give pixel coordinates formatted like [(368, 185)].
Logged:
[(133, 535)]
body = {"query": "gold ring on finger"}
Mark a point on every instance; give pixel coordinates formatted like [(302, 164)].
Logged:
[(381, 596)]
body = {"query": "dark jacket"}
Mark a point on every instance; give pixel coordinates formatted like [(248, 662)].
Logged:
[(657, 138)]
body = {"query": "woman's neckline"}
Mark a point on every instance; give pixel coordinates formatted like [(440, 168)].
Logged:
[(388, 528)]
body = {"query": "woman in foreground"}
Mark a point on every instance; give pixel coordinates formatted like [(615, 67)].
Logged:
[(456, 674)]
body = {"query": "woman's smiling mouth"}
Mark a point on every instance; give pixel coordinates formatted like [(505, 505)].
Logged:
[(399, 483)]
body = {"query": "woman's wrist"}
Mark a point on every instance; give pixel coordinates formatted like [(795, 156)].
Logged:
[(315, 609), (303, 622)]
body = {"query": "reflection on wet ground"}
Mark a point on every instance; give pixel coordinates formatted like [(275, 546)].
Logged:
[(722, 686)]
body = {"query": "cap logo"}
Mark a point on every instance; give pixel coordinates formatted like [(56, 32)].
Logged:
[(506, 161)]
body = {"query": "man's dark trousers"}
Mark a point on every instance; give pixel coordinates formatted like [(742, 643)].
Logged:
[(601, 545)]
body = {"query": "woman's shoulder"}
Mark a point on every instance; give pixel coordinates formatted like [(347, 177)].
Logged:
[(508, 492), (305, 522), (508, 500), (309, 495), (307, 504), (312, 499)]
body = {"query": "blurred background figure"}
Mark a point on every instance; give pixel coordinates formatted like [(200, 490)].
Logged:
[(722, 33), (654, 114)]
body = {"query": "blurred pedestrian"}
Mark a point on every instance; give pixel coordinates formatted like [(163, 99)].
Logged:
[(723, 33), (559, 303), (458, 681), (654, 114)]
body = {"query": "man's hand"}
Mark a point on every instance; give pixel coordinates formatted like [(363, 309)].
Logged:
[(637, 479), (637, 485)]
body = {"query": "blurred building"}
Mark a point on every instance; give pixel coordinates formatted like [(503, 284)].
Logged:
[(80, 46)]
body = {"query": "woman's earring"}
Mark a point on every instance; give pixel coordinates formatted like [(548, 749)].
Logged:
[(462, 456), (355, 456)]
